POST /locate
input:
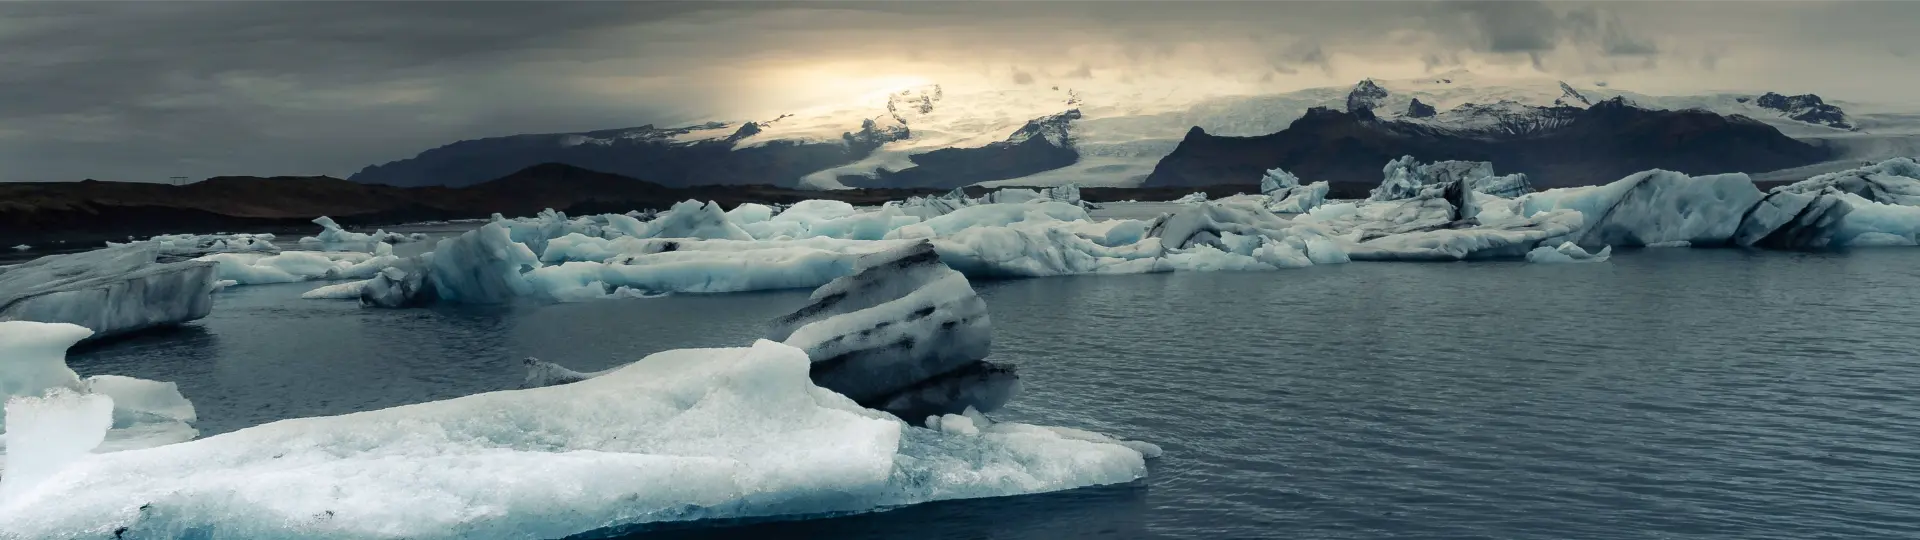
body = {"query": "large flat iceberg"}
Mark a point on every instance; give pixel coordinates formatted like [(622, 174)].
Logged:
[(111, 291), (680, 435)]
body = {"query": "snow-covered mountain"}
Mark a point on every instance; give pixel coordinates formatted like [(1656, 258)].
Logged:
[(931, 137)]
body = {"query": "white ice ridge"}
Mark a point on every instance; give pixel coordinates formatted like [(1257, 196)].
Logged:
[(138, 413), (680, 435)]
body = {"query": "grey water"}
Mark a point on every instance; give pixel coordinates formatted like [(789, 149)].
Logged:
[(1664, 394)]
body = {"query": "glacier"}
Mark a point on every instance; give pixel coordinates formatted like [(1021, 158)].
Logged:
[(110, 291)]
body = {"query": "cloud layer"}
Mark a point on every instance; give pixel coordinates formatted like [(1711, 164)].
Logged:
[(144, 91)]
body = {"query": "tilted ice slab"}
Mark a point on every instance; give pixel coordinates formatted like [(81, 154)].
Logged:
[(680, 435), (904, 334), (140, 413), (110, 291)]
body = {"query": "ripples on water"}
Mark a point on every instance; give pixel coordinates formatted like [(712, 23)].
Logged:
[(1667, 393)]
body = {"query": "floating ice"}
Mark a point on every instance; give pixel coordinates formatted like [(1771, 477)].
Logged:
[(22, 247), (1567, 252), (1895, 181), (33, 357), (1192, 198), (481, 266), (679, 435), (294, 266), (140, 413), (332, 236), (111, 291), (899, 335), (1404, 178)]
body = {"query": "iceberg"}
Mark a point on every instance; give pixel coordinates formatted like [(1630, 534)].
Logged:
[(1405, 178), (897, 334), (680, 435), (34, 378), (295, 266), (1192, 198), (1894, 181), (111, 291), (1652, 207), (1567, 252), (1285, 195), (693, 219), (481, 266), (332, 236), (903, 333)]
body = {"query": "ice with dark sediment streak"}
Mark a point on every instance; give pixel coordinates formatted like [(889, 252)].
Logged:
[(903, 333), (111, 291), (898, 335)]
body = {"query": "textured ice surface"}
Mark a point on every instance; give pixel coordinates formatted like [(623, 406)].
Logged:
[(1405, 178), (1653, 207), (679, 435), (1567, 252), (141, 413), (900, 321), (292, 266), (111, 291), (1895, 181), (481, 266)]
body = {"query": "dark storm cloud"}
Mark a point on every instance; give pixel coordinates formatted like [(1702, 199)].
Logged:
[(147, 90), (1509, 27)]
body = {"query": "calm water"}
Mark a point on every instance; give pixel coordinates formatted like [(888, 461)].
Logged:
[(1666, 394)]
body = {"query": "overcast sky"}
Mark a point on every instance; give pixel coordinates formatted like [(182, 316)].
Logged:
[(144, 91)]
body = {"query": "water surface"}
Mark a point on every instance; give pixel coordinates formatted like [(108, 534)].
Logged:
[(1664, 394)]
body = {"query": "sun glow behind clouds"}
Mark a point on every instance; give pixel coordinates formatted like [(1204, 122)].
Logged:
[(781, 89)]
